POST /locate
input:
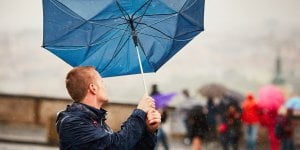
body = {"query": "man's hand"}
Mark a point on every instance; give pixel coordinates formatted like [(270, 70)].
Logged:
[(146, 103), (153, 120)]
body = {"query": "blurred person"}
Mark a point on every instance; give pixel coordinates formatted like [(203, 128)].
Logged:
[(230, 129), (154, 90), (211, 118), (250, 119), (185, 107), (82, 125), (161, 134), (197, 123), (267, 118), (284, 129)]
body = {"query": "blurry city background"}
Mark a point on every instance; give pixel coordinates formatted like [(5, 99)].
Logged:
[(245, 45), (238, 48)]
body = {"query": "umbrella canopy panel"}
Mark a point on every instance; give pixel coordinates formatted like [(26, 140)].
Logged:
[(103, 34)]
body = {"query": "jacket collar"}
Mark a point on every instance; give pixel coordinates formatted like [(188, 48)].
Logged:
[(99, 114)]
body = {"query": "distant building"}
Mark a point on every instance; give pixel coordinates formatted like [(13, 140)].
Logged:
[(278, 78)]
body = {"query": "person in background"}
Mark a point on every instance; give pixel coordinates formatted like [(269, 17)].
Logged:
[(82, 125), (162, 137), (161, 134), (211, 119), (185, 107), (230, 129), (284, 129), (250, 119), (197, 123), (154, 90)]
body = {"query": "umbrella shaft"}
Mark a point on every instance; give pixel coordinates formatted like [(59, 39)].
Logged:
[(141, 68), (133, 33)]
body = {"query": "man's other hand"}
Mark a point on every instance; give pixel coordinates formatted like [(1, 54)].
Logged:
[(153, 120)]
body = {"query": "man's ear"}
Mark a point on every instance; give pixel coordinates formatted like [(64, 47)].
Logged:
[(92, 88)]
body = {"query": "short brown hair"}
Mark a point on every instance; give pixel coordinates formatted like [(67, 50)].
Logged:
[(78, 80)]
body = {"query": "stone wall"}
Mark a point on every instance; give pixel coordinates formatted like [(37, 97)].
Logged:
[(38, 110)]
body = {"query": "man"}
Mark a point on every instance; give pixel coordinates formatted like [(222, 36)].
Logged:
[(82, 125)]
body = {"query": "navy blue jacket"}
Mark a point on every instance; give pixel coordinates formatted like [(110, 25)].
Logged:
[(82, 127)]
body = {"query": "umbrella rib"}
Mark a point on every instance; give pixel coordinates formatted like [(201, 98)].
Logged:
[(188, 33), (173, 15), (110, 30), (117, 51), (62, 49), (167, 36), (104, 25), (106, 40), (78, 16), (157, 15), (101, 43), (186, 17), (124, 13), (148, 2), (92, 20), (81, 23), (156, 30), (141, 17)]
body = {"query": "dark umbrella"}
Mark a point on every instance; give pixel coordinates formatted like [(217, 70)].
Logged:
[(120, 37), (233, 95), (213, 90)]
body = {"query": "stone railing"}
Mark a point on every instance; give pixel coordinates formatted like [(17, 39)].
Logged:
[(42, 111)]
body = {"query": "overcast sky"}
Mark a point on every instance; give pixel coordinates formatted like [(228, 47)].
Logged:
[(236, 31)]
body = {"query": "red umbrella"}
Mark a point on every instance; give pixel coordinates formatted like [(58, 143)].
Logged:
[(270, 97)]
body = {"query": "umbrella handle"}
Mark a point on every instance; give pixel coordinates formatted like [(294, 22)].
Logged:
[(142, 70)]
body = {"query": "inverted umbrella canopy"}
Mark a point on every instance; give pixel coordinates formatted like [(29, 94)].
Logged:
[(106, 33)]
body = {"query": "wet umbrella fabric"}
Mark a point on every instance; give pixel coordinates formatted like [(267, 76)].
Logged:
[(109, 34)]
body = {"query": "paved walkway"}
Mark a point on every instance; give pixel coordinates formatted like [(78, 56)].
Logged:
[(24, 137), (27, 137)]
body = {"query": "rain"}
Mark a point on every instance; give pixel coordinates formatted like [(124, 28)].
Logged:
[(246, 49)]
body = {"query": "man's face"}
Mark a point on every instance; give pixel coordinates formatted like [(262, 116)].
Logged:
[(101, 93)]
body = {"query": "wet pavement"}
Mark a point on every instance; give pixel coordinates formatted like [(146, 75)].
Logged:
[(24, 137)]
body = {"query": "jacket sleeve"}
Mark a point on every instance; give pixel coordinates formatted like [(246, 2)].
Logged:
[(80, 133), (147, 142)]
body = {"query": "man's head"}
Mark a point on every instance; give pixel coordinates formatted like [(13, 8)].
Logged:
[(85, 81)]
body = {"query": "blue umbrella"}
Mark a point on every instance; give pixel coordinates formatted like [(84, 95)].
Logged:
[(120, 37), (293, 103)]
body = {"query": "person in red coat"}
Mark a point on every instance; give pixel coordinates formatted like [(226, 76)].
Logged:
[(250, 119)]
